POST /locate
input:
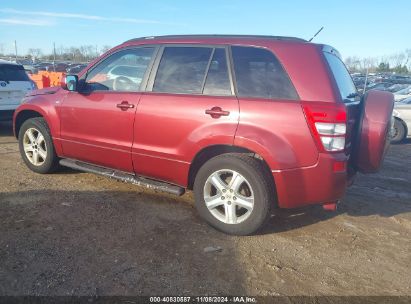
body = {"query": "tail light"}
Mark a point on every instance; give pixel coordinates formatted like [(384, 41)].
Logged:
[(328, 124)]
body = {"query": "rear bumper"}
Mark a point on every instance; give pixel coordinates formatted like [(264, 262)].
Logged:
[(321, 183)]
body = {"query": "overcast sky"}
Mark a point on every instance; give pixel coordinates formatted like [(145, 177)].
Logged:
[(363, 28)]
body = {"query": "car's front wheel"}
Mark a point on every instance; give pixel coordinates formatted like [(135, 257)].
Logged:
[(36, 146), (234, 193)]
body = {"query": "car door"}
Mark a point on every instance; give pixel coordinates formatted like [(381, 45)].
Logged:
[(189, 105), (97, 121)]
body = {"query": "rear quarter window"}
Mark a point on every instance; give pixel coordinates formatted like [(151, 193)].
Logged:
[(259, 74), (11, 72), (342, 77)]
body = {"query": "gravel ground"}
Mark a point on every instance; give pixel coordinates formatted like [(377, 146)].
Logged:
[(73, 233)]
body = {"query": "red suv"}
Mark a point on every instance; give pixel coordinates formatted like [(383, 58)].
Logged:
[(248, 123)]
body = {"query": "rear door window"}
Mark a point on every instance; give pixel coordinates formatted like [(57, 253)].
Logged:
[(218, 80), (182, 70), (11, 72), (342, 77), (259, 74)]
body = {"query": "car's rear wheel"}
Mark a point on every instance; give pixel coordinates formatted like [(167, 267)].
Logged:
[(36, 146), (398, 132), (234, 193)]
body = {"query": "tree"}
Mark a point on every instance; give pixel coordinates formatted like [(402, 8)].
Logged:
[(352, 63), (105, 48), (383, 67), (35, 53), (408, 61), (398, 59), (401, 69)]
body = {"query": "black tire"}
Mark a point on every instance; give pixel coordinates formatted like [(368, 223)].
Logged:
[(51, 161), (258, 178), (399, 132)]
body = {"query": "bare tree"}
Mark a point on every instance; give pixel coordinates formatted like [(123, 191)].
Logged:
[(35, 53), (105, 48), (408, 60), (353, 63), (398, 59)]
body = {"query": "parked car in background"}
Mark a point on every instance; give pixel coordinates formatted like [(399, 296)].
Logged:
[(400, 79), (381, 81), (43, 66), (75, 68), (402, 94), (396, 87), (382, 86), (30, 69), (59, 67), (234, 118), (14, 84), (402, 123), (359, 81)]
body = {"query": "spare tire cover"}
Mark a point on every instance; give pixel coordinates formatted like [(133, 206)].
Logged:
[(374, 130)]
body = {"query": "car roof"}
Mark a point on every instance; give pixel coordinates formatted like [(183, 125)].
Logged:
[(8, 62), (207, 38)]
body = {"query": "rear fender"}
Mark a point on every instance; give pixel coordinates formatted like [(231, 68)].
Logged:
[(277, 152)]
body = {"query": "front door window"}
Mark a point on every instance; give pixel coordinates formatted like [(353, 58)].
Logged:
[(123, 71)]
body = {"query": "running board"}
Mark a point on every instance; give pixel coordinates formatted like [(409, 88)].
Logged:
[(125, 177)]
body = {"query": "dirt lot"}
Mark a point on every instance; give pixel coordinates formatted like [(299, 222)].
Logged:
[(74, 233)]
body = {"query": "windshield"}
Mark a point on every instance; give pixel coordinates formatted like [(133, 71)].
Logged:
[(11, 72)]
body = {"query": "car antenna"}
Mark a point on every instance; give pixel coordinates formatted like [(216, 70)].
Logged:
[(316, 34)]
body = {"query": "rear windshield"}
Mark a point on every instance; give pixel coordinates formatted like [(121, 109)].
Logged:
[(11, 72), (342, 77)]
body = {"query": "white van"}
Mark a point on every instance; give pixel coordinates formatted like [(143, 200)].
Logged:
[(14, 84)]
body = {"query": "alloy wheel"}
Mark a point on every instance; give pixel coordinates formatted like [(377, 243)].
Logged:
[(35, 146), (228, 196)]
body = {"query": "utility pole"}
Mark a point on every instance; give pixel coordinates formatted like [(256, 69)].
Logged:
[(15, 49), (54, 54), (96, 51)]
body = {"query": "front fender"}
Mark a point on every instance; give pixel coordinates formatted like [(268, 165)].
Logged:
[(45, 106)]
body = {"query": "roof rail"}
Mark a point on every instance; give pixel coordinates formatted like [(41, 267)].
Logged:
[(218, 36)]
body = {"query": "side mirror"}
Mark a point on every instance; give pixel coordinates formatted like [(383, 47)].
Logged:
[(70, 83)]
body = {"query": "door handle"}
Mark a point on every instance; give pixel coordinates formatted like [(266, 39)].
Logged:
[(217, 112), (124, 105)]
